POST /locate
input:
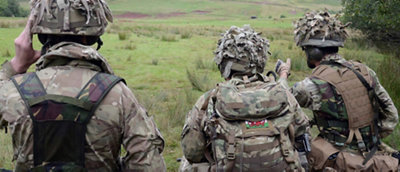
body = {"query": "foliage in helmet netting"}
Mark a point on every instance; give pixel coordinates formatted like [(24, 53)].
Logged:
[(70, 17), (320, 29), (241, 50)]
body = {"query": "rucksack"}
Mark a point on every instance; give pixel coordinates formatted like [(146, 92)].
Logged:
[(59, 122), (248, 127)]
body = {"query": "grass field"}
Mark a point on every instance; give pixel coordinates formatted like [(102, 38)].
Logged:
[(164, 50)]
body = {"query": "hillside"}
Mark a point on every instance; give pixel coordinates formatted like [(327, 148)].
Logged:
[(164, 50)]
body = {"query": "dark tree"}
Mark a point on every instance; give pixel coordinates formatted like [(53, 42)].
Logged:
[(378, 19), (11, 8)]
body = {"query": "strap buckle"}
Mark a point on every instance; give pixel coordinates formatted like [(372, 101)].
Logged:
[(285, 152), (231, 151), (361, 145)]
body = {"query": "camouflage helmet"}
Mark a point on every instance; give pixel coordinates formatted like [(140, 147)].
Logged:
[(241, 50), (320, 29), (70, 17)]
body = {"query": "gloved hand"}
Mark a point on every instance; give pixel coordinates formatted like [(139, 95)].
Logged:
[(283, 69)]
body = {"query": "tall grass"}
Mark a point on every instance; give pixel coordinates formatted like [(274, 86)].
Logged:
[(199, 81)]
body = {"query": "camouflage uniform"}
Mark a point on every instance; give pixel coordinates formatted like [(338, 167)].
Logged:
[(335, 92), (64, 69), (119, 119), (196, 137), (308, 96)]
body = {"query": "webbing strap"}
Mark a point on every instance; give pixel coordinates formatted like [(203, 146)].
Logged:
[(61, 99), (260, 147), (264, 158), (28, 86), (96, 89)]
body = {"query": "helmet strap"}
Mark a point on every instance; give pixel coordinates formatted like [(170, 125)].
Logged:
[(99, 43), (45, 46)]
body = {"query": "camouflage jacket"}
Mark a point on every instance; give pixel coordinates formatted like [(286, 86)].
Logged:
[(194, 137), (308, 95), (119, 119)]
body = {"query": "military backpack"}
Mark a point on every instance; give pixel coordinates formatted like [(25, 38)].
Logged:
[(247, 127)]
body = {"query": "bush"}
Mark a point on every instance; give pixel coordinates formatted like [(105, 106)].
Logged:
[(200, 82), (186, 35), (123, 35), (11, 8), (168, 38)]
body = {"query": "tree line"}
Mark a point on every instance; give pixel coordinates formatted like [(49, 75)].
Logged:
[(378, 19), (11, 8)]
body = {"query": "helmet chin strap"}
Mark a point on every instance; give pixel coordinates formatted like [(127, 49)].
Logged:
[(99, 43)]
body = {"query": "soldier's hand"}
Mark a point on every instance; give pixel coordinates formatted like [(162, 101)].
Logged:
[(25, 55), (283, 69)]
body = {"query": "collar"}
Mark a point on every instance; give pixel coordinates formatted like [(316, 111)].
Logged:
[(334, 57), (73, 54)]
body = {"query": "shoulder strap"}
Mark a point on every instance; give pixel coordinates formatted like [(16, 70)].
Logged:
[(97, 88), (29, 86)]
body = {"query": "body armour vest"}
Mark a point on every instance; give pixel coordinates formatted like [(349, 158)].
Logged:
[(345, 102), (59, 122)]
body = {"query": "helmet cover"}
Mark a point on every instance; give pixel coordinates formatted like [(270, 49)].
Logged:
[(320, 29), (70, 17), (241, 50)]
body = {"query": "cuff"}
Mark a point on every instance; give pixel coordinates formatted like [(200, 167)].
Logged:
[(7, 70)]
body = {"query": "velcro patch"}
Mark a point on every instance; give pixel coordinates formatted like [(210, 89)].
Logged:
[(257, 124)]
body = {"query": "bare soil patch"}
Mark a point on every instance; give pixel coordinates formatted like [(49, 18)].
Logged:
[(132, 15), (200, 12), (172, 14)]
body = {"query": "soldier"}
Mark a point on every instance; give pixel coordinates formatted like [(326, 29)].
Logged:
[(352, 110), (247, 123), (73, 113)]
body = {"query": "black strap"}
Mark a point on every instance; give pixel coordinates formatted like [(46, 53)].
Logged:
[(373, 98), (271, 73)]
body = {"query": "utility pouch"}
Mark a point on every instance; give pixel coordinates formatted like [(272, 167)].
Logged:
[(347, 161), (321, 150)]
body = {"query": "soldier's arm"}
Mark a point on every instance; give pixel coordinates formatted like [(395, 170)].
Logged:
[(141, 139), (193, 138), (301, 121), (24, 57), (389, 118), (305, 92)]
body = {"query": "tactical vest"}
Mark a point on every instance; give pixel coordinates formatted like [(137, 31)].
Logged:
[(59, 122), (346, 110), (243, 129)]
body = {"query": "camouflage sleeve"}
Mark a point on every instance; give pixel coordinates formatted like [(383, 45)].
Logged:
[(193, 138), (306, 93), (141, 139), (6, 72), (389, 118), (301, 121)]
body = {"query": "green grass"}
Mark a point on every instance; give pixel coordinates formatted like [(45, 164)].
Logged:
[(166, 61)]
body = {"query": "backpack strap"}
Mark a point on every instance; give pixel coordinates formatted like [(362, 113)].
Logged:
[(96, 89), (29, 87)]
